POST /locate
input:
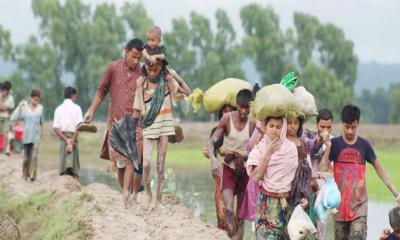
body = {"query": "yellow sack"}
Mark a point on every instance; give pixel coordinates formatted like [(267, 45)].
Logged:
[(221, 93), (275, 101)]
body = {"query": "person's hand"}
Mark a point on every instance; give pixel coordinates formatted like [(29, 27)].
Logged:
[(88, 116), (325, 136), (172, 71), (215, 169), (69, 148), (70, 142), (153, 60), (398, 199), (385, 234), (140, 81), (205, 152), (273, 146), (325, 175), (314, 185), (260, 127), (222, 152), (22, 103), (304, 203)]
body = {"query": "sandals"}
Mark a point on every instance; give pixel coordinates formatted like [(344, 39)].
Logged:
[(86, 127), (178, 137)]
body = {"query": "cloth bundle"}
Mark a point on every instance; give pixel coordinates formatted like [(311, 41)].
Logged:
[(220, 94)]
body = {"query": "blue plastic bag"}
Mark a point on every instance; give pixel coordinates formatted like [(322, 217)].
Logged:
[(328, 200)]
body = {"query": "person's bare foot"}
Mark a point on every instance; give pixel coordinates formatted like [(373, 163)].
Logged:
[(134, 197), (147, 200), (230, 223), (159, 197), (126, 200)]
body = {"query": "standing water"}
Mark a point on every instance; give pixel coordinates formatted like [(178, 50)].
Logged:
[(196, 191)]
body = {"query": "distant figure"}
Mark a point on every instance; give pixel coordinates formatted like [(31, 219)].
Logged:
[(31, 113), (6, 106), (67, 116)]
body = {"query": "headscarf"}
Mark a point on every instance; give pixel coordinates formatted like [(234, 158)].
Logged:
[(282, 165)]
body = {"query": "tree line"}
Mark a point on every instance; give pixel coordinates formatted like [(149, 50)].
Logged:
[(76, 42)]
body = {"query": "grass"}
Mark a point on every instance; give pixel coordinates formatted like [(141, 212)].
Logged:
[(389, 158), (183, 155), (39, 217)]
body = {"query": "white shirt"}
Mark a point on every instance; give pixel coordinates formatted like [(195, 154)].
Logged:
[(67, 116), (7, 102)]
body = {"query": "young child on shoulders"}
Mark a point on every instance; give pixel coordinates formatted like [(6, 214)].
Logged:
[(154, 52)]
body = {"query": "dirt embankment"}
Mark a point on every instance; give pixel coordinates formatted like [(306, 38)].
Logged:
[(170, 220)]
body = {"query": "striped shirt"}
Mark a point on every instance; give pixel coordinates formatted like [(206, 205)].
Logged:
[(163, 125)]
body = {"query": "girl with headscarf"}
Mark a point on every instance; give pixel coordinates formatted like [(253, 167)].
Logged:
[(273, 163)]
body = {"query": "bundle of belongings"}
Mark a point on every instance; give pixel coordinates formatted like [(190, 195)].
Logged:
[(277, 100), (220, 94), (300, 225)]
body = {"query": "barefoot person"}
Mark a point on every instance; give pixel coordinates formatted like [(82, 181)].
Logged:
[(236, 128), (219, 202), (349, 154), (6, 107), (119, 81), (316, 147), (273, 163), (153, 103), (67, 116), (31, 113)]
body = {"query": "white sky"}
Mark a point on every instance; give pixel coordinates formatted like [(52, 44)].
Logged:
[(373, 25)]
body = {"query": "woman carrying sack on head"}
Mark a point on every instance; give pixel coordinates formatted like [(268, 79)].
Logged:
[(273, 163)]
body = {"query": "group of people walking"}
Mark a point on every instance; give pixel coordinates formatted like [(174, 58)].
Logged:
[(267, 167)]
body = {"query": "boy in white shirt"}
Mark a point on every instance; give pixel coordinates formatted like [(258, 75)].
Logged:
[(66, 118)]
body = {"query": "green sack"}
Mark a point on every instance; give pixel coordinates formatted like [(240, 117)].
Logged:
[(275, 101), (220, 94)]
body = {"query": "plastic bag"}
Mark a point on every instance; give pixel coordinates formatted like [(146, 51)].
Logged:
[(275, 101), (220, 94), (327, 200), (306, 101), (289, 81), (300, 225)]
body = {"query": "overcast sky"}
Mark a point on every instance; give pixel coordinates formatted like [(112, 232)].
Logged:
[(373, 25)]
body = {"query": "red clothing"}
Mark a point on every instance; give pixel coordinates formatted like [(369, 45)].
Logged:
[(234, 180), (120, 81), (349, 172)]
